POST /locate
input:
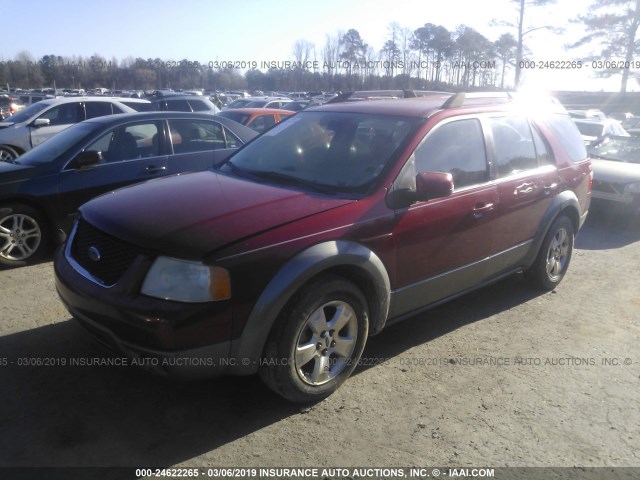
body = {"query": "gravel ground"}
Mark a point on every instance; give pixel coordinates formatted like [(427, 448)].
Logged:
[(505, 376)]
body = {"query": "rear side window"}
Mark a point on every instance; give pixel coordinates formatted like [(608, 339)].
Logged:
[(178, 105), (513, 145), (567, 134), (458, 148), (99, 109), (195, 136), (198, 106)]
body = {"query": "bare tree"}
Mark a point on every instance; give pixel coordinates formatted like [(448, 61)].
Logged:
[(615, 28)]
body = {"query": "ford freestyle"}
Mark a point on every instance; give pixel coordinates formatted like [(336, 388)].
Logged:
[(325, 229)]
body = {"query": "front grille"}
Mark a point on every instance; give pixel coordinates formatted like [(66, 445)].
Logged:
[(104, 257)]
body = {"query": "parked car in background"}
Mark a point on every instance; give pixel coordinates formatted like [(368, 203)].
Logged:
[(589, 114), (298, 105), (616, 171), (185, 103), (259, 102), (333, 224), (9, 105), (258, 119), (591, 130), (40, 121), (41, 190)]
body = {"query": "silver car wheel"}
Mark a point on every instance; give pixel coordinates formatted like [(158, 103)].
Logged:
[(557, 255), (326, 342), (20, 237)]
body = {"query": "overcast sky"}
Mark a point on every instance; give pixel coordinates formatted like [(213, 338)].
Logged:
[(227, 30)]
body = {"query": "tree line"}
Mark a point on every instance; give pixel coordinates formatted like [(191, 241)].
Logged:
[(429, 57)]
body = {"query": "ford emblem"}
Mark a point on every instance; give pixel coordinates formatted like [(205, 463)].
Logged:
[(94, 254)]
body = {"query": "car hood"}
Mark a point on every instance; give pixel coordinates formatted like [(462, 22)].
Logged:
[(613, 171), (192, 215), (12, 172)]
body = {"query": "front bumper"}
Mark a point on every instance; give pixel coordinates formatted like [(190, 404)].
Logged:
[(169, 338)]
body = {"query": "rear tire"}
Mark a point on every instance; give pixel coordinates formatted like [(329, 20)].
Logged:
[(24, 235), (317, 340), (554, 256)]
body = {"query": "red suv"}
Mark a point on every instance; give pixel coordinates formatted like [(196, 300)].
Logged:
[(335, 223)]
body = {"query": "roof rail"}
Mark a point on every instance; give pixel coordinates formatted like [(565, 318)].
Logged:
[(477, 98)]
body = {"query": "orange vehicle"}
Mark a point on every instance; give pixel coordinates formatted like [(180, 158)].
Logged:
[(259, 119)]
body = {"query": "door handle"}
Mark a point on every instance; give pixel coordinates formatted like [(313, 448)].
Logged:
[(153, 169), (481, 209), (549, 188), (524, 189)]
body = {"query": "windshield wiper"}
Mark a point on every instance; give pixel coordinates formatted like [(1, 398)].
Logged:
[(295, 181)]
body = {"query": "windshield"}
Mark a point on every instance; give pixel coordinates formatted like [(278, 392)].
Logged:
[(239, 103), (328, 151), (621, 149), (26, 113), (59, 143)]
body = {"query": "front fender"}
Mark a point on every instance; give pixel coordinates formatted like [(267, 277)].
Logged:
[(338, 255)]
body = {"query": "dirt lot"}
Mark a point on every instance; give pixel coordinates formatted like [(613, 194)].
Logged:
[(505, 376)]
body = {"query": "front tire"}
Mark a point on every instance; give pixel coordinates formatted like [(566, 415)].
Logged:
[(24, 235), (8, 154), (554, 256), (317, 341)]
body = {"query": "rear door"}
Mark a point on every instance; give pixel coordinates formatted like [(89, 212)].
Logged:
[(527, 180), (442, 244)]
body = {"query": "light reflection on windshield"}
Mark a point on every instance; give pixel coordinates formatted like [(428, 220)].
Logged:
[(346, 151)]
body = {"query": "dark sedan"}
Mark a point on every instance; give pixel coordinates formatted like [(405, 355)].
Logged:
[(41, 191)]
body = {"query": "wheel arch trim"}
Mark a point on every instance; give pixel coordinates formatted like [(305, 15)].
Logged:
[(352, 260)]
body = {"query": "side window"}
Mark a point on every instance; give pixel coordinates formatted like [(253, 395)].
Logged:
[(542, 151), (98, 109), (128, 142), (195, 136), (458, 148), (231, 140), (198, 106), (514, 150), (262, 123), (178, 106), (64, 114)]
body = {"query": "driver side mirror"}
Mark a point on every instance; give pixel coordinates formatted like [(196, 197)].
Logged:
[(86, 160), (40, 122), (433, 185)]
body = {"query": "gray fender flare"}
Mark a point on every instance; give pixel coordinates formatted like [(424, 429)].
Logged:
[(566, 202), (247, 349)]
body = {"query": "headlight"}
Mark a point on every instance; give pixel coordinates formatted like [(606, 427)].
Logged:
[(186, 281), (632, 188)]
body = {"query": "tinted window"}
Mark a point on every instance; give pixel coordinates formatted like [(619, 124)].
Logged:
[(195, 136), (127, 142), (458, 148), (567, 134), (99, 109), (141, 106), (513, 145), (178, 105)]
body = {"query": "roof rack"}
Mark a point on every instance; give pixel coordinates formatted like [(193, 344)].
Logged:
[(360, 95), (466, 99)]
